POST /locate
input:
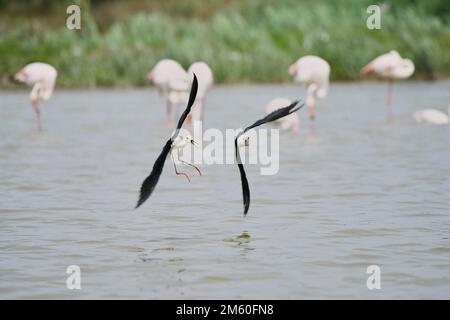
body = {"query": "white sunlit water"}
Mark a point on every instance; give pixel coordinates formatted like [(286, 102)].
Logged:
[(353, 190)]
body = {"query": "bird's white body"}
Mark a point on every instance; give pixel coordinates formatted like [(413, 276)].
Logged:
[(314, 72), (172, 81), (204, 75), (390, 66), (177, 97), (431, 116), (41, 76), (243, 140), (182, 140), (291, 121), (246, 138), (168, 75), (205, 82)]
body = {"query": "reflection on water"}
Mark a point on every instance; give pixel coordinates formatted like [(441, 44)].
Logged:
[(353, 190), (240, 241)]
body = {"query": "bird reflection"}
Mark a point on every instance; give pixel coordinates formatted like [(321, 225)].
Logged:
[(242, 242)]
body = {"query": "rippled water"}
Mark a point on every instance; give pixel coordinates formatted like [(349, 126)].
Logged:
[(352, 191)]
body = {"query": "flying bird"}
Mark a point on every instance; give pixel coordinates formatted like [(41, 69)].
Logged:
[(242, 140), (314, 72), (290, 122), (176, 141), (42, 77)]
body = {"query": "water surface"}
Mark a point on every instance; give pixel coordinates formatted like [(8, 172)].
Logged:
[(353, 190)]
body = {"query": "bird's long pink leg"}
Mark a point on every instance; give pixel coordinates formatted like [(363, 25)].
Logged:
[(389, 99), (311, 109), (168, 111), (35, 105), (312, 113), (179, 173), (193, 166)]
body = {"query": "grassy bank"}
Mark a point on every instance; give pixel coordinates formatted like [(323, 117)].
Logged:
[(243, 41)]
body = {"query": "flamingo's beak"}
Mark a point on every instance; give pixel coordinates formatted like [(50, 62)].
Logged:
[(292, 70), (20, 76), (149, 76), (367, 70)]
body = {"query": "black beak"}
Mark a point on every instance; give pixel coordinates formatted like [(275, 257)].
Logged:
[(193, 143)]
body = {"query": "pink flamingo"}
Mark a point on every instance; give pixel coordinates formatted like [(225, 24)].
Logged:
[(205, 82), (432, 116), (392, 67), (172, 81), (42, 77), (314, 72), (289, 122)]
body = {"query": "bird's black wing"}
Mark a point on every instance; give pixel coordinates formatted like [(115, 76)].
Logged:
[(192, 96), (244, 181), (277, 114), (150, 182)]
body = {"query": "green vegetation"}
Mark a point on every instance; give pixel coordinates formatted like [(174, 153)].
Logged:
[(243, 41)]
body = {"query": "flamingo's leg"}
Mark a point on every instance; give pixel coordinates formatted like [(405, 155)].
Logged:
[(35, 105), (177, 172), (311, 110), (168, 110), (389, 99), (312, 113)]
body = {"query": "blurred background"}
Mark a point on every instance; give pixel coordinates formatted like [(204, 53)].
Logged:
[(243, 41)]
